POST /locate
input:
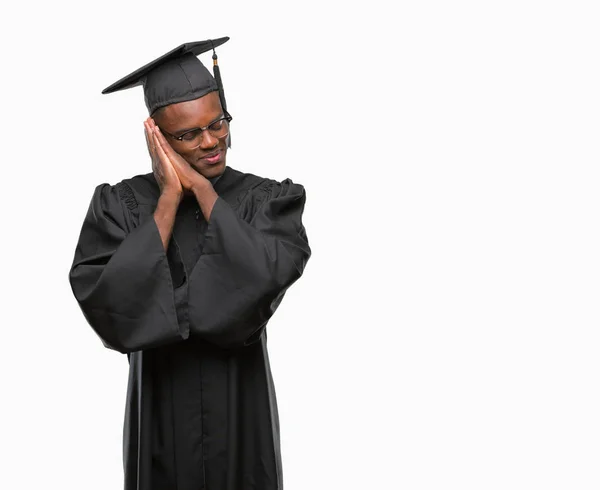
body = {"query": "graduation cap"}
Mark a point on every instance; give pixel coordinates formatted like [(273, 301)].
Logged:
[(176, 76)]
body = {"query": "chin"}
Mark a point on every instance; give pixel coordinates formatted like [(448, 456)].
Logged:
[(210, 171)]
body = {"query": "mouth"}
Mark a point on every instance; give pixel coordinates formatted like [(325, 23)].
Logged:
[(212, 158)]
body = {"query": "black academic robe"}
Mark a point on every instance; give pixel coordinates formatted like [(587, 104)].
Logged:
[(201, 410)]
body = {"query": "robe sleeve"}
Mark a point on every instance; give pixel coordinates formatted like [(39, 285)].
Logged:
[(247, 265), (121, 278)]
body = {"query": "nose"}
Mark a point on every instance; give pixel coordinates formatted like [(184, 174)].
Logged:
[(208, 141)]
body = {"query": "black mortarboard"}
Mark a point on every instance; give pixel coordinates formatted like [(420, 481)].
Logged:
[(176, 76)]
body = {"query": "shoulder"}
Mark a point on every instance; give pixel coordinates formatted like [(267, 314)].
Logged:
[(107, 196), (121, 201), (141, 188), (138, 187), (261, 187), (266, 196)]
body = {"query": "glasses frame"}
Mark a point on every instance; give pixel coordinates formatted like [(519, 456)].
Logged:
[(227, 117)]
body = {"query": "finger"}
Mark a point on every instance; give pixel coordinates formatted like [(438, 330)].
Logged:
[(171, 170), (160, 152), (147, 133), (148, 146), (164, 144), (162, 148), (160, 137), (147, 139), (151, 124), (160, 156), (151, 144), (177, 162)]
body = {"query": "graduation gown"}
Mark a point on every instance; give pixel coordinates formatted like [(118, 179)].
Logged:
[(201, 409)]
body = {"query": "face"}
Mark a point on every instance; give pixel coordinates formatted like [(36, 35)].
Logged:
[(209, 158)]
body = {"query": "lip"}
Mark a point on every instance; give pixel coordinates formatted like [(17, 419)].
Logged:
[(213, 158)]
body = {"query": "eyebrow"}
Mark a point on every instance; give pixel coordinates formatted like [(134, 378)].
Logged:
[(183, 131)]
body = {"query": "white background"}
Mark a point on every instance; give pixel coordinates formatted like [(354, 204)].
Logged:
[(445, 332)]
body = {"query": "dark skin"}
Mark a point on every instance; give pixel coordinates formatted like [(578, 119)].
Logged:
[(179, 170)]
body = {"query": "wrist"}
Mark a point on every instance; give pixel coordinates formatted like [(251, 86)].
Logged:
[(200, 187), (171, 196)]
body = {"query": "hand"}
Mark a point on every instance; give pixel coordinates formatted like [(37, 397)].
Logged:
[(189, 178), (163, 170)]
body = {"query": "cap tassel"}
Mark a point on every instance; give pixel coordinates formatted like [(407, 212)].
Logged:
[(217, 75)]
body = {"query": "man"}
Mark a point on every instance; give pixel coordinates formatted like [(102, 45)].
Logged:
[(181, 269)]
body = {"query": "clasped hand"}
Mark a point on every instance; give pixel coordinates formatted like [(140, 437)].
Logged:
[(172, 172)]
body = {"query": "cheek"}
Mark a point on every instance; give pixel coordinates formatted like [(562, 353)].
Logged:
[(222, 146), (189, 157)]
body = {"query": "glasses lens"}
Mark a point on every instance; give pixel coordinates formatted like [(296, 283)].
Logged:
[(192, 136), (219, 128), (193, 139)]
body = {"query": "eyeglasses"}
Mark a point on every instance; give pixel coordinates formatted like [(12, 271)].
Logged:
[(192, 139)]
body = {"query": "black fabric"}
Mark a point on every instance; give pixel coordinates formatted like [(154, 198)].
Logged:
[(201, 409), (176, 76)]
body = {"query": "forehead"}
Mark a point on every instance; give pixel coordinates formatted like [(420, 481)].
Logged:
[(191, 113)]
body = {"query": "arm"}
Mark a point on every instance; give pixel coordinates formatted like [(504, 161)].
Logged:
[(164, 216), (246, 268), (121, 278)]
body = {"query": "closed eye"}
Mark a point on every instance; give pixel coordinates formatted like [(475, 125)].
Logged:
[(216, 125), (190, 135)]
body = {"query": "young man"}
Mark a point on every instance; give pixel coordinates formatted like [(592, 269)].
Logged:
[(181, 269)]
